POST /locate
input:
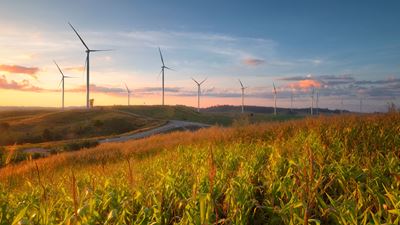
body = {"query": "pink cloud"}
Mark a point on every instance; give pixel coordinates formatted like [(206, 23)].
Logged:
[(305, 84), (31, 71), (24, 85), (253, 61)]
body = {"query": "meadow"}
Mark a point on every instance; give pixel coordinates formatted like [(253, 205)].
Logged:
[(322, 170), (38, 126)]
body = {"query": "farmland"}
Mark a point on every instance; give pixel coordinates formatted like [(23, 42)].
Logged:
[(323, 170)]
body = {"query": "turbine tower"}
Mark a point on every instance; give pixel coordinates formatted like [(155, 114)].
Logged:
[(316, 103), (241, 84), (88, 51), (129, 94), (312, 100), (163, 67), (198, 92), (274, 98), (61, 82), (291, 101)]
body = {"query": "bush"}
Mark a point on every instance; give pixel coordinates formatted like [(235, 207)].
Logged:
[(77, 145)]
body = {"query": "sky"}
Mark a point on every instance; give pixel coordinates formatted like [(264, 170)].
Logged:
[(346, 51)]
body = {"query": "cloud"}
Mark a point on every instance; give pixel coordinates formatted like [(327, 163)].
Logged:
[(31, 71), (305, 84), (253, 61), (77, 69), (24, 85)]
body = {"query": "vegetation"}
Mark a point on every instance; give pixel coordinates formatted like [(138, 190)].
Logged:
[(39, 126), (333, 170)]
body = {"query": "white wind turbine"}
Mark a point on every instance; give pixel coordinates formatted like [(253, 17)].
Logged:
[(62, 82), (198, 92), (241, 84), (163, 67), (316, 102), (129, 94), (291, 101), (312, 100), (274, 98), (88, 51)]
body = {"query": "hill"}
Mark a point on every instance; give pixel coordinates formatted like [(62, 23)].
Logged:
[(43, 125), (270, 110), (325, 170)]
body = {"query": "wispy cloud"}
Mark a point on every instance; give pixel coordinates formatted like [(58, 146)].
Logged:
[(24, 85), (30, 71), (253, 61), (76, 69)]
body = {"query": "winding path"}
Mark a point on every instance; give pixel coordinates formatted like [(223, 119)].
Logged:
[(172, 125)]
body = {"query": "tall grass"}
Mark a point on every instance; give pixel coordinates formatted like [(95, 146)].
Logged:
[(336, 170)]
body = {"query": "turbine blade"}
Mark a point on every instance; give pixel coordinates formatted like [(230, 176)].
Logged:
[(241, 83), (127, 89), (101, 50), (162, 60), (79, 36), (195, 81), (203, 81), (168, 68), (62, 74), (69, 77), (159, 74), (60, 82)]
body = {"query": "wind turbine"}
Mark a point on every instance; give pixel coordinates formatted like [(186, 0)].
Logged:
[(163, 67), (129, 94), (312, 100), (291, 101), (198, 92), (316, 103), (61, 82), (241, 84), (274, 98), (88, 51)]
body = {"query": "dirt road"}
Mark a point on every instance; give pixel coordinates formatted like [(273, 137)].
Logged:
[(172, 125)]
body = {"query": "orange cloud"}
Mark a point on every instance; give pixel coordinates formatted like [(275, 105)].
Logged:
[(305, 84), (253, 61), (75, 69), (24, 85), (31, 71)]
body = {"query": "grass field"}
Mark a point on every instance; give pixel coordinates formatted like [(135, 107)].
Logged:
[(38, 126), (326, 170)]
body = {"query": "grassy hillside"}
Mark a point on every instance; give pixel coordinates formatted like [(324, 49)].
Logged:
[(185, 113), (336, 170), (51, 125)]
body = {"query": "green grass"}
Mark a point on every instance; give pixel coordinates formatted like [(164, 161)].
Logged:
[(326, 170)]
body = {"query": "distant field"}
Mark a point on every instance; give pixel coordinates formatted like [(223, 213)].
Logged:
[(53, 125), (214, 118), (324, 170)]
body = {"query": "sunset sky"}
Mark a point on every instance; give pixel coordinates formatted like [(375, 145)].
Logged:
[(344, 49)]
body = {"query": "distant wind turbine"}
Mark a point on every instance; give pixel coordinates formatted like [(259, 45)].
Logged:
[(312, 100), (241, 84), (163, 67), (129, 94), (274, 98), (316, 103), (88, 51), (61, 82), (198, 92), (291, 101)]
